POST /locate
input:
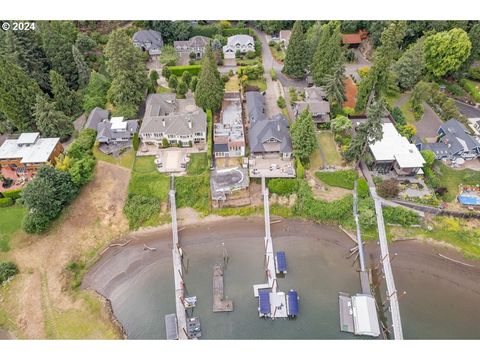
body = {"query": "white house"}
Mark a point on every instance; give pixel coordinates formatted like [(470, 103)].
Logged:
[(242, 43)]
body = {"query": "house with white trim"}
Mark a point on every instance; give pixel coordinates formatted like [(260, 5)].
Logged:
[(241, 42)]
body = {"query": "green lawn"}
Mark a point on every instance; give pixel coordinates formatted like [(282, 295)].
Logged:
[(392, 98), (198, 164), (125, 159), (451, 179), (260, 83), (327, 143), (10, 222), (147, 181), (162, 89), (232, 84)]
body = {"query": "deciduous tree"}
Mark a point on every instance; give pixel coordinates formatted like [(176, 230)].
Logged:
[(411, 65)]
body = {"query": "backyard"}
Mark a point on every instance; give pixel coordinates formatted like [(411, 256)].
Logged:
[(232, 84), (10, 222), (261, 84), (452, 178), (125, 159), (329, 148), (396, 100)]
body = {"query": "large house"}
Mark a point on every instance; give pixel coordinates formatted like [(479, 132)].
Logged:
[(177, 120), (266, 136), (148, 40), (241, 43), (95, 117), (315, 101), (454, 141), (196, 45), (29, 152), (228, 135), (116, 130), (284, 37), (395, 152)]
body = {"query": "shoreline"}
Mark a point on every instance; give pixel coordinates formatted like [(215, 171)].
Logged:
[(417, 256)]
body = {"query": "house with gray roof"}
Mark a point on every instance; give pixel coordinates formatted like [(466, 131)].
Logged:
[(270, 136), (95, 117), (228, 134), (241, 42), (148, 40), (116, 130), (196, 45), (315, 101), (177, 120), (255, 106), (454, 141)]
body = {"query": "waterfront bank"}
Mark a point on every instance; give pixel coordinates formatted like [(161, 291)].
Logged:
[(139, 283)]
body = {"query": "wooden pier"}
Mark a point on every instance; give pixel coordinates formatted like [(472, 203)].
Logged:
[(219, 302), (177, 269)]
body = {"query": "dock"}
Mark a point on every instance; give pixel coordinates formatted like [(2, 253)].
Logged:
[(269, 254), (171, 326), (177, 269), (358, 314), (219, 302), (346, 313)]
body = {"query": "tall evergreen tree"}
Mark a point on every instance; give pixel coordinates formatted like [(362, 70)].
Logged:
[(368, 132), (411, 65), (96, 92), (474, 35), (50, 121), (335, 84), (296, 56), (312, 37), (23, 49), (57, 39), (377, 79), (82, 67), (127, 71), (66, 100), (17, 96), (304, 140), (210, 87), (329, 50)]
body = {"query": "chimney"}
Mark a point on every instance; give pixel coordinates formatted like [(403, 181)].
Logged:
[(163, 122), (278, 127), (189, 123)]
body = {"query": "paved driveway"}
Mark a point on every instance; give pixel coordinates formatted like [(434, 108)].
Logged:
[(467, 110), (428, 125), (351, 68)]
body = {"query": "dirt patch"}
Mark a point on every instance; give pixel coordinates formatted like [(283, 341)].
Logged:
[(41, 295), (350, 93), (325, 192)]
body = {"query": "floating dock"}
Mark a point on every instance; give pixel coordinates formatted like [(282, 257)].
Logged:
[(292, 304), (171, 326), (194, 330), (280, 262), (358, 314), (219, 302)]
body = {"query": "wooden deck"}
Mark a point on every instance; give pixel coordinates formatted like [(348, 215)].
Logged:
[(219, 302)]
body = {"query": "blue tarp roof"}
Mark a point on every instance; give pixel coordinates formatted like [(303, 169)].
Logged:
[(292, 303), (264, 301), (281, 261), (469, 199)]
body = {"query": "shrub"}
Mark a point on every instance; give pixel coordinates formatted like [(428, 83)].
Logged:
[(363, 71), (250, 55), (172, 82), (166, 72), (341, 178), (182, 88), (362, 188), (35, 223), (83, 144), (165, 143), (474, 73), (400, 216), (225, 78), (299, 169), (398, 116), (281, 102), (140, 208), (13, 194), (7, 270), (6, 202), (283, 186), (135, 141), (186, 77), (273, 74), (179, 70), (472, 89), (350, 55), (206, 30), (388, 188), (235, 31)]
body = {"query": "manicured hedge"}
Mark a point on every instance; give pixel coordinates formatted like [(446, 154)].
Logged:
[(237, 31), (179, 70), (7, 270), (13, 194), (341, 178), (299, 169), (6, 202), (205, 30), (283, 186), (209, 136)]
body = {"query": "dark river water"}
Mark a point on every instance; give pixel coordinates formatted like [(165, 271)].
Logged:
[(140, 283)]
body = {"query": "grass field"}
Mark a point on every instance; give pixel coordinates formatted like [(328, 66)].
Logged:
[(198, 164), (10, 222), (260, 83), (232, 84), (125, 159), (451, 179), (147, 181), (326, 142)]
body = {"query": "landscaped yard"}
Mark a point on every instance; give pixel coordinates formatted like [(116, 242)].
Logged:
[(232, 84), (327, 144), (198, 164), (125, 159), (392, 99), (260, 83), (473, 88), (452, 178), (147, 181), (10, 222), (163, 89), (279, 55)]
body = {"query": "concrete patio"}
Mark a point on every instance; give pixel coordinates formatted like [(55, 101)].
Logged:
[(271, 167)]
